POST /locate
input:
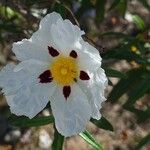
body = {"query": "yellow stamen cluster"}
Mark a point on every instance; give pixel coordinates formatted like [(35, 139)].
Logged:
[(64, 70)]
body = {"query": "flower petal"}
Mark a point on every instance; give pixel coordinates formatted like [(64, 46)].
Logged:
[(36, 46), (66, 91), (46, 77), (65, 34), (94, 89), (27, 49), (30, 100), (73, 54), (24, 94), (88, 57), (72, 115)]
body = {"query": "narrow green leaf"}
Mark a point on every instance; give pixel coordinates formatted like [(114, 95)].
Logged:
[(58, 141), (139, 90), (144, 141), (103, 123), (26, 122), (114, 4), (122, 7), (114, 73), (139, 22), (125, 84), (142, 115), (116, 34), (89, 139), (100, 10), (145, 4)]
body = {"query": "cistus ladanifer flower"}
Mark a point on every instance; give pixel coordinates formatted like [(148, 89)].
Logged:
[(56, 65)]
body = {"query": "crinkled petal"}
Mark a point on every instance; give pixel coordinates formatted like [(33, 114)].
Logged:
[(89, 58), (30, 100), (28, 49), (37, 46), (24, 94), (71, 115), (94, 89), (65, 35)]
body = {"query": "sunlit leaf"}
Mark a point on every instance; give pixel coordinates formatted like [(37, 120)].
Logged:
[(139, 22), (89, 139)]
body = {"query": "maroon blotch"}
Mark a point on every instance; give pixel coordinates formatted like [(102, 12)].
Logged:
[(45, 77), (84, 75), (53, 52), (66, 91), (73, 54)]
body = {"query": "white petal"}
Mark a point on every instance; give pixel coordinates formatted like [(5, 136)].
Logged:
[(95, 89), (71, 115), (30, 100), (28, 49), (36, 46), (24, 94), (11, 81), (43, 35), (65, 35), (89, 58)]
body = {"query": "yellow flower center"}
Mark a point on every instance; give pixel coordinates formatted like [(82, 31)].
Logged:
[(64, 70)]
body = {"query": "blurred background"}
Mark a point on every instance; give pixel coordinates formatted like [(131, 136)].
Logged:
[(120, 30)]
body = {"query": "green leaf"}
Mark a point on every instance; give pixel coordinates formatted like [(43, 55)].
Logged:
[(114, 4), (116, 34), (122, 7), (103, 123), (114, 73), (26, 122), (125, 84), (139, 22), (145, 4), (139, 90), (142, 115), (100, 10), (144, 141), (58, 141), (89, 139)]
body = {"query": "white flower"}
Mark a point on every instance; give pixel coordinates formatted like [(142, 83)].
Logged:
[(57, 65)]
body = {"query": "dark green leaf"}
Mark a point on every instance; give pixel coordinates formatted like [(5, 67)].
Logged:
[(114, 73), (100, 10), (26, 122), (125, 84), (145, 4), (58, 141), (144, 141), (89, 139), (139, 90), (122, 6), (114, 4), (142, 115), (103, 123), (116, 34)]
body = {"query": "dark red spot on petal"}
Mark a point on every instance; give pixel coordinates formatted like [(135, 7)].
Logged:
[(53, 52), (84, 75), (45, 77), (73, 54), (66, 91)]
